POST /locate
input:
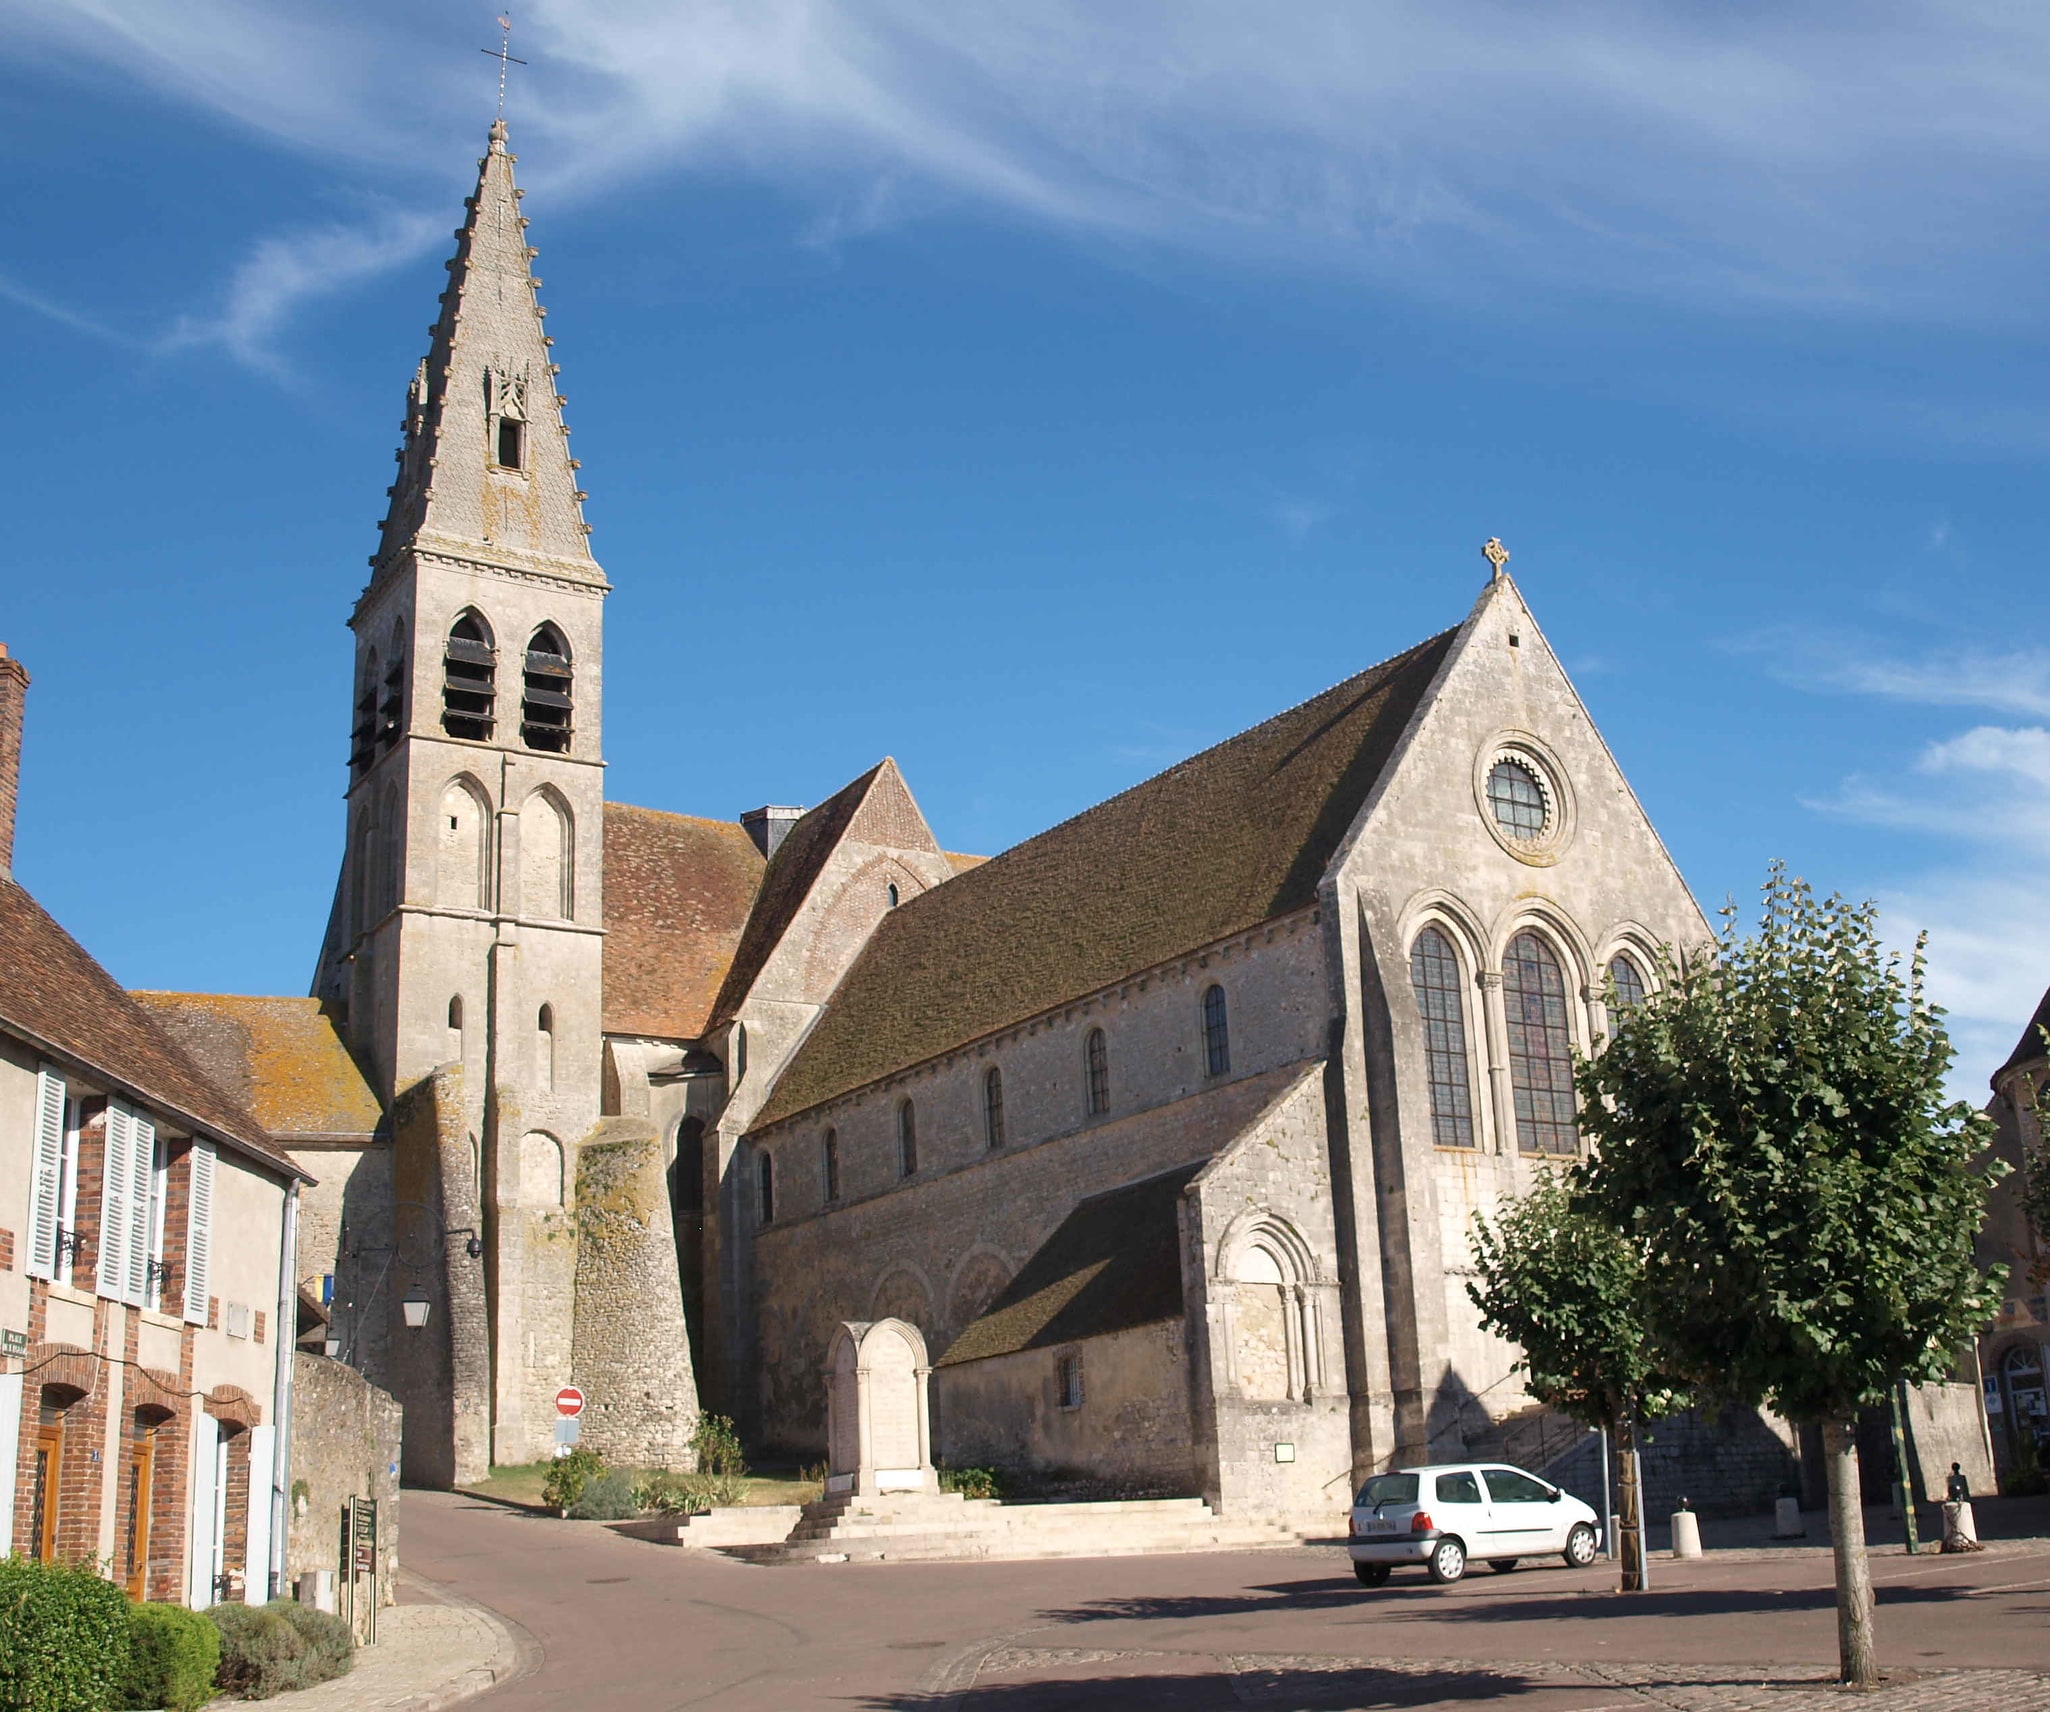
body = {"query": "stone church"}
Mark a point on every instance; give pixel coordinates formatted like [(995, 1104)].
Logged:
[(1165, 1126)]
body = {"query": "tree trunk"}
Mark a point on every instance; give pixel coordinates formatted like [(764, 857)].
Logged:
[(1857, 1655), (1630, 1529)]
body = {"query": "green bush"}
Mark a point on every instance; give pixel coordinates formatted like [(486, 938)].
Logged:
[(718, 1447), (63, 1638), (568, 1476), (609, 1498), (261, 1653), (330, 1648), (971, 1482), (674, 1494), (173, 1655)]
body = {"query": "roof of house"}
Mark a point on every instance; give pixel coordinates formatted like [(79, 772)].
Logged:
[(1113, 1263), (280, 1057), (2031, 1044), (877, 804), (1230, 838), (56, 996), (678, 891)]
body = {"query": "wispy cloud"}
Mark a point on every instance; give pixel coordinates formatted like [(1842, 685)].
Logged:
[(1987, 793), (285, 270), (1725, 155), (2015, 680)]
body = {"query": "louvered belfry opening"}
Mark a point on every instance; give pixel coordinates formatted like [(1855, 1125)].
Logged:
[(469, 684), (391, 711), (545, 701), (363, 733)]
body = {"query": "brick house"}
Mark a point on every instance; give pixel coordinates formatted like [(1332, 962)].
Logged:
[(147, 1294)]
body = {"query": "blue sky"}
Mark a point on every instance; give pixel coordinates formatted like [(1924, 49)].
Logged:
[(1040, 394)]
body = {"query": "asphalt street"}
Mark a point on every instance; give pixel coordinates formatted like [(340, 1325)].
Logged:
[(627, 1626)]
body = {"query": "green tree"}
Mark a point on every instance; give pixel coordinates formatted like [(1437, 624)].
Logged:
[(1565, 1286), (1772, 1132)]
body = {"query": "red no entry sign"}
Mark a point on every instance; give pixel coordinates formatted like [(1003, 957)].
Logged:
[(569, 1401)]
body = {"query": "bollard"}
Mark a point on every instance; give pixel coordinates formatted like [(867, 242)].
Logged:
[(1960, 1530), (1686, 1534), (1786, 1520)]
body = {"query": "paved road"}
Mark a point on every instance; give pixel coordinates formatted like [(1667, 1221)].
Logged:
[(626, 1626)]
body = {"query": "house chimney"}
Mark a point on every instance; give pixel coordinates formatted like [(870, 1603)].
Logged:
[(768, 827), (13, 692)]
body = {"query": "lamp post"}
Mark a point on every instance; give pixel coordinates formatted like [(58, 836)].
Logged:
[(415, 1306)]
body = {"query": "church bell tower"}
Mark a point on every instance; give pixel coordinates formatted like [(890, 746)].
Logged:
[(467, 926)]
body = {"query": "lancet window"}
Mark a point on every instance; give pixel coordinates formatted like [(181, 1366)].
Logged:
[(469, 684), (1540, 1047), (545, 702), (1440, 989)]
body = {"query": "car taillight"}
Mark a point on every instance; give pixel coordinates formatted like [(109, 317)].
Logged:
[(1421, 1523)]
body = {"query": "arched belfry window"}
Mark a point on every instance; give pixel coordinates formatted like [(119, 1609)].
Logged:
[(391, 705), (1435, 976), (363, 730), (469, 681), (545, 699), (1540, 1047), (1216, 1033), (1096, 1072)]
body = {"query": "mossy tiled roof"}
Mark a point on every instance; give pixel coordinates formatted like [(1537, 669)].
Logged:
[(1235, 836), (281, 1057), (1113, 1263), (678, 890)]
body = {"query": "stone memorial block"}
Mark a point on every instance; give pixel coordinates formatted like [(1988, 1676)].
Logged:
[(878, 1424)]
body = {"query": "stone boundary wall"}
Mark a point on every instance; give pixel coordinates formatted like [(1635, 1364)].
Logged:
[(345, 1444)]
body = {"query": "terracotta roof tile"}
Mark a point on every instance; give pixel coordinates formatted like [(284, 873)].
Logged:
[(281, 1057), (55, 995), (1113, 1263), (677, 895), (1230, 838)]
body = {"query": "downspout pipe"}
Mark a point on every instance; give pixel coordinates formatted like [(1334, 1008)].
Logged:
[(287, 1346)]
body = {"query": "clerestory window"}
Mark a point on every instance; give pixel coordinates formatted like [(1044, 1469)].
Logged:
[(1096, 1072), (1216, 1034), (907, 1140), (469, 682), (545, 698), (993, 1108)]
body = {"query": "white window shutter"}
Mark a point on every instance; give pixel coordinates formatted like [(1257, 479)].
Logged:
[(112, 1279), (46, 1184), (142, 1181), (199, 1233)]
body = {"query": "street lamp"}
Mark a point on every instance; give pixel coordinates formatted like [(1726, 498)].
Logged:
[(416, 1308)]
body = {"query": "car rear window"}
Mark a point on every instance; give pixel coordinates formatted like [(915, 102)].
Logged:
[(1461, 1488), (1388, 1489)]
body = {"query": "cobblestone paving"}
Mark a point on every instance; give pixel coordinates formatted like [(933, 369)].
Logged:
[(1284, 1682), (428, 1655)]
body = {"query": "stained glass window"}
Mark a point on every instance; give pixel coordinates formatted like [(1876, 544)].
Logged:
[(1629, 983), (1540, 1047), (1441, 1003)]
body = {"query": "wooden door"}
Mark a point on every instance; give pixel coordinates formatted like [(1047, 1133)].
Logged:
[(142, 1460), (46, 1472)]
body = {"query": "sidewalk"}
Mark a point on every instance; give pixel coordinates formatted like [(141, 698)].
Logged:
[(1999, 1520), (433, 1649)]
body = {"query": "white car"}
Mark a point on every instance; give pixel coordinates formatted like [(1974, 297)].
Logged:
[(1445, 1515)]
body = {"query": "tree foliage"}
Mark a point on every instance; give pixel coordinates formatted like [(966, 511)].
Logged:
[(1772, 1133), (1565, 1286)]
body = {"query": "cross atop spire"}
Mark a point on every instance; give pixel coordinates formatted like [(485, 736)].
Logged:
[(505, 56), (484, 471)]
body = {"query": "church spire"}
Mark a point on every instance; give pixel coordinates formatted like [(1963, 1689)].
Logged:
[(484, 470)]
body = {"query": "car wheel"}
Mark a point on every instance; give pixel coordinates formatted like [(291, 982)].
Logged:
[(1448, 1561), (1580, 1547), (1371, 1574), (1503, 1565)]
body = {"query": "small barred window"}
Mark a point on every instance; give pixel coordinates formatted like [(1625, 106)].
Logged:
[(1518, 800), (1096, 1070), (993, 1108), (907, 1140), (1216, 1034)]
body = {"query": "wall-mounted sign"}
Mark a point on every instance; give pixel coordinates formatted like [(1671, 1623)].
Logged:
[(13, 1343)]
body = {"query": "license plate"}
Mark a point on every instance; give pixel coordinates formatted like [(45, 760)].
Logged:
[(1379, 1525)]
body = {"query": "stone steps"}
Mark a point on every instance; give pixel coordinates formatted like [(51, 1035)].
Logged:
[(923, 1527)]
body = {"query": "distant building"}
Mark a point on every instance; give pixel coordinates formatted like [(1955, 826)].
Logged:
[(2015, 1355), (147, 1285)]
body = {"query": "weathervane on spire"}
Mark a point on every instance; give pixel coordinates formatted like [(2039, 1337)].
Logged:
[(1496, 554), (505, 56)]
